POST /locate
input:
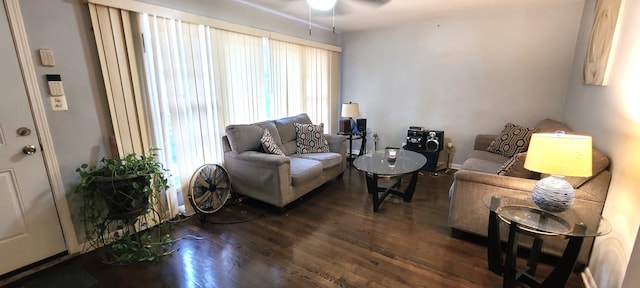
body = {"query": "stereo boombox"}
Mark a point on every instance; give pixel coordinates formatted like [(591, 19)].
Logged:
[(419, 138)]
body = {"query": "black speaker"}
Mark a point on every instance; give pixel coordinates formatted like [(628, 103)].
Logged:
[(432, 158), (435, 140), (345, 126), (416, 139), (362, 125)]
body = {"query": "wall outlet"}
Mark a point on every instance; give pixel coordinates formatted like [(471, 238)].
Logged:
[(59, 103)]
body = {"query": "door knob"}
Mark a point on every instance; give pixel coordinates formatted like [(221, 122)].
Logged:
[(29, 150)]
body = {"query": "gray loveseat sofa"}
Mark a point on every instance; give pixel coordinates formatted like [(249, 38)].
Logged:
[(279, 179), (479, 176)]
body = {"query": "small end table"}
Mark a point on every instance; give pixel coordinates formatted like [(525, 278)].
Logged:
[(524, 217), (355, 136)]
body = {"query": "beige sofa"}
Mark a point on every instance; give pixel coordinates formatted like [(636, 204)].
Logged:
[(278, 179), (479, 177)]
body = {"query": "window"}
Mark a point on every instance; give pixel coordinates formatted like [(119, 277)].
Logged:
[(199, 79)]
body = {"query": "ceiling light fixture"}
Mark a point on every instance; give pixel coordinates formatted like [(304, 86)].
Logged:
[(324, 5)]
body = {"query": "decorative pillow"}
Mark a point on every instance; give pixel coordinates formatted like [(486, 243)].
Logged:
[(269, 145), (599, 162), (512, 140), (515, 167), (309, 139)]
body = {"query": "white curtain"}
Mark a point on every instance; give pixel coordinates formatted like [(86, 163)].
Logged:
[(181, 100), (240, 74), (199, 79), (303, 79)]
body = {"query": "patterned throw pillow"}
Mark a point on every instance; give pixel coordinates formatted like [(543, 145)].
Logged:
[(515, 167), (512, 140), (309, 139), (269, 145)]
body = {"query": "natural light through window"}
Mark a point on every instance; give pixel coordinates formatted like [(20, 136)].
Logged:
[(200, 79)]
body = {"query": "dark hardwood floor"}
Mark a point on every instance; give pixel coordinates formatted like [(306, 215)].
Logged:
[(331, 238)]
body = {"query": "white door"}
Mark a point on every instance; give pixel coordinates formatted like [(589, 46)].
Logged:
[(29, 227)]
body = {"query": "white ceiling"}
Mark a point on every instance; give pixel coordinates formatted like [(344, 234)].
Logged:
[(360, 15)]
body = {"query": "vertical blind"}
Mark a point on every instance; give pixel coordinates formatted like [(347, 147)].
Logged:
[(114, 38)]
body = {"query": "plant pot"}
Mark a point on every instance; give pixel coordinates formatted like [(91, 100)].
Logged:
[(125, 197)]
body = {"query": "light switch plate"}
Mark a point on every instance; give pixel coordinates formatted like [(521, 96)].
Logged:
[(59, 103), (46, 58), (54, 82)]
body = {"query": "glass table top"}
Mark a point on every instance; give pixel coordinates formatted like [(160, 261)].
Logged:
[(523, 211), (377, 162)]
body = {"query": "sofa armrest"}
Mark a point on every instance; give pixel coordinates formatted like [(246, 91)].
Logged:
[(259, 175), (482, 141), (595, 190), (254, 158), (337, 143)]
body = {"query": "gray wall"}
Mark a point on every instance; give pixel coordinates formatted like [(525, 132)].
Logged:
[(612, 116), (80, 134), (464, 74)]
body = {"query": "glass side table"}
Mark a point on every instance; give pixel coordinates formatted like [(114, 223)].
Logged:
[(377, 165), (524, 217)]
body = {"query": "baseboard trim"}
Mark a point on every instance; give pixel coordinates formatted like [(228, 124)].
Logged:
[(35, 268), (587, 279)]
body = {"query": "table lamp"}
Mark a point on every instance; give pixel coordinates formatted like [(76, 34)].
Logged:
[(560, 155), (351, 110)]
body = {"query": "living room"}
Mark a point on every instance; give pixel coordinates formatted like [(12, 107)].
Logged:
[(457, 72)]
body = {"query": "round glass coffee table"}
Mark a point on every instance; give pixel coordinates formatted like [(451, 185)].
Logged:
[(377, 165), (524, 217)]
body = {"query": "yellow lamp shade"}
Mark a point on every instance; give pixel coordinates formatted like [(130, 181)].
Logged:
[(559, 154)]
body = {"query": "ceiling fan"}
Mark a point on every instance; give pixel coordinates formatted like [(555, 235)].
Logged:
[(339, 7), (342, 6)]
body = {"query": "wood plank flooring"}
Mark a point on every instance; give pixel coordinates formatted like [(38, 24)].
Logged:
[(331, 238)]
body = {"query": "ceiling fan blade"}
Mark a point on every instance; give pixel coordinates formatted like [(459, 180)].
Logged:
[(373, 2), (344, 7)]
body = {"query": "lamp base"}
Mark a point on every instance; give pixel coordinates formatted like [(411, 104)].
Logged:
[(553, 194)]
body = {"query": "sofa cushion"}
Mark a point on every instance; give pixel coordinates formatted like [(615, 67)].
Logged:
[(515, 167), (512, 140), (489, 156), (288, 131), (310, 139), (269, 145), (244, 137), (304, 170), (481, 165), (328, 160)]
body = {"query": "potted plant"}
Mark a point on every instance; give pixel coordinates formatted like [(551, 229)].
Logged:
[(119, 197)]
